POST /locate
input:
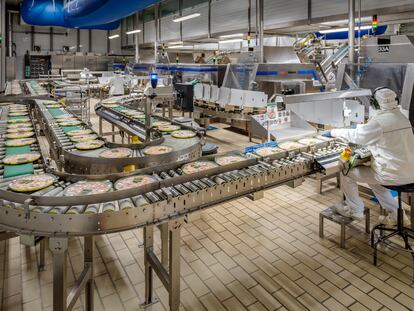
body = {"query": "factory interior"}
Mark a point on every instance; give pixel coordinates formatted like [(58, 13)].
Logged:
[(206, 155)]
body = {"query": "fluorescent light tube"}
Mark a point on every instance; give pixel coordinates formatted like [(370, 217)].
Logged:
[(113, 37), (235, 35), (184, 18), (343, 29), (133, 31), (231, 41)]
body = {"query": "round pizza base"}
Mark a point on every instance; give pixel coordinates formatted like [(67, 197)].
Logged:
[(20, 142), (157, 150), (226, 160), (184, 134), (198, 166), (19, 130), (89, 145), (79, 132), (19, 125), (88, 188), (309, 141), (267, 151), (32, 183), (116, 153), (81, 138), (133, 182), (70, 123), (15, 121), (21, 158), (290, 145), (19, 135), (169, 128), (161, 123), (18, 114)]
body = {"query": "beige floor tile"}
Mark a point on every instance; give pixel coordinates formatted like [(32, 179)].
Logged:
[(242, 294)]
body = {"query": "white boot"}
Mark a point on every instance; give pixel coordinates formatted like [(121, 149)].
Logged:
[(391, 220), (348, 211)]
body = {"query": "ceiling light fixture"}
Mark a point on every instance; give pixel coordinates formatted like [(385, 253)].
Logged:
[(184, 18), (113, 37), (133, 31), (343, 29), (235, 35), (231, 41)]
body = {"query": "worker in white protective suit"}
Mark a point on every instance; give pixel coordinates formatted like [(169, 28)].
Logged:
[(389, 137)]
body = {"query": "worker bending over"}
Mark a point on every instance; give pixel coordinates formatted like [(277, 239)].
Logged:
[(390, 139)]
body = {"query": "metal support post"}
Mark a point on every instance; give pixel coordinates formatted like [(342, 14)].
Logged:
[(148, 249), (351, 30), (88, 264), (164, 244), (174, 273), (59, 248), (42, 251)]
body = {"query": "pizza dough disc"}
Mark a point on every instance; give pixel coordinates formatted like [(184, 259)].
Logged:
[(160, 123), (19, 125), (267, 151), (78, 139), (157, 150), (309, 141), (88, 188), (116, 153), (226, 160), (290, 145), (70, 123), (198, 166), (134, 182), (20, 142), (20, 134), (19, 130), (89, 145), (79, 132), (22, 120), (18, 114), (32, 183), (169, 128), (21, 158), (183, 134)]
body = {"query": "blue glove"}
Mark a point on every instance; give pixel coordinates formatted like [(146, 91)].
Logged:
[(327, 134)]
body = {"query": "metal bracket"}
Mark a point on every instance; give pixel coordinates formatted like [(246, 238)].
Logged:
[(27, 208)]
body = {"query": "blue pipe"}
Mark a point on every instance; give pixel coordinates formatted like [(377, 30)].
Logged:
[(343, 35)]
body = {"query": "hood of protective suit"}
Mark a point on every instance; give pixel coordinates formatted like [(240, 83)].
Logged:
[(387, 99)]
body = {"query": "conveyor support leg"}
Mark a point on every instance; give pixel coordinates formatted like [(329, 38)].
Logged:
[(59, 248)]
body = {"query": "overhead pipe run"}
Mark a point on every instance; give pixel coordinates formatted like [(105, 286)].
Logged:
[(83, 14), (351, 31)]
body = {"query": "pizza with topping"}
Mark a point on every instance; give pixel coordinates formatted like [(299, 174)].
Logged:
[(89, 145), (32, 183), (290, 145), (183, 134), (133, 182), (21, 158), (20, 142), (80, 138), (226, 160), (20, 134), (169, 128), (21, 120), (198, 166), (267, 151), (157, 150), (116, 153), (79, 132), (88, 188)]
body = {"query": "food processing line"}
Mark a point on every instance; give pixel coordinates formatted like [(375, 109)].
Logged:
[(59, 205)]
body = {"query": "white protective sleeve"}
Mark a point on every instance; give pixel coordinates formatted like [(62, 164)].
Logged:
[(365, 134)]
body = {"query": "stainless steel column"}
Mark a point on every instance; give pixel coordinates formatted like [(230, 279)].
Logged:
[(148, 248), (164, 244), (136, 39), (351, 30), (3, 45), (261, 29), (88, 263), (174, 273), (59, 248)]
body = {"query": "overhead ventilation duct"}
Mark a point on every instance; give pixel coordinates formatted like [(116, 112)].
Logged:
[(342, 34), (88, 14)]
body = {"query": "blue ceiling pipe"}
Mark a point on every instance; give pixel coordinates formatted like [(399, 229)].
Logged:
[(51, 13), (343, 35), (83, 13)]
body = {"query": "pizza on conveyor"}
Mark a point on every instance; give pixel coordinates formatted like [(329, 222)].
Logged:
[(160, 123), (72, 122), (19, 125), (32, 183), (169, 128), (267, 151), (20, 142), (18, 114), (21, 158), (80, 138), (19, 130), (183, 134), (116, 153), (88, 188), (309, 141), (20, 134), (157, 150), (79, 132), (226, 160), (21, 120), (290, 145), (198, 166), (89, 145), (134, 182)]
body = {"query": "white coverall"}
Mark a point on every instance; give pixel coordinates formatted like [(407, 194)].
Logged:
[(389, 136)]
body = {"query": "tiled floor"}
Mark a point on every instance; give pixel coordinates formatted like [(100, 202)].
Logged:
[(241, 255)]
